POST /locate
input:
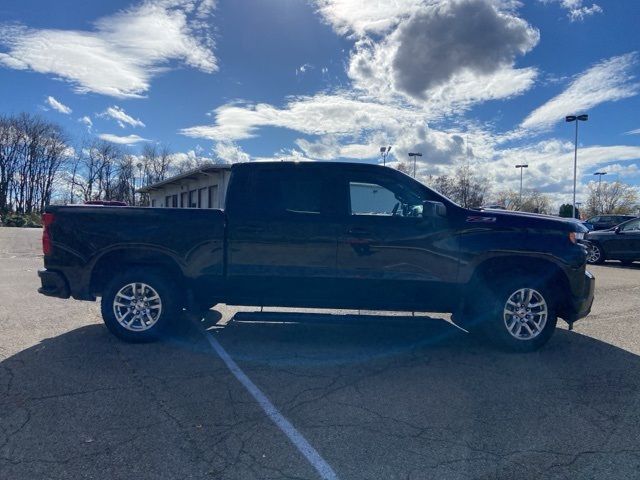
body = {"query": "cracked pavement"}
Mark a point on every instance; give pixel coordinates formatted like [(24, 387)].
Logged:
[(379, 396)]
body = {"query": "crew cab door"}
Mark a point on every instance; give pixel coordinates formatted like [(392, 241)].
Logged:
[(389, 256), (281, 235)]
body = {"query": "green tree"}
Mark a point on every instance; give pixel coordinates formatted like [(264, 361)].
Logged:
[(566, 209)]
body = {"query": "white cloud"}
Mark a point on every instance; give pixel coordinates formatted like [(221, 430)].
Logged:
[(607, 81), (441, 41), (626, 171), (361, 17), (329, 147), (481, 38), (229, 152), (551, 166), (56, 105), (575, 8), (126, 140), (339, 114), (119, 115), (87, 122), (122, 52), (633, 132), (302, 69)]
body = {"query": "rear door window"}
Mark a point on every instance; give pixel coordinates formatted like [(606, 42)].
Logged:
[(286, 192)]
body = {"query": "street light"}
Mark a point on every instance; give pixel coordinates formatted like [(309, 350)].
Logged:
[(521, 166), (414, 155), (600, 174), (577, 119), (384, 151), (139, 165)]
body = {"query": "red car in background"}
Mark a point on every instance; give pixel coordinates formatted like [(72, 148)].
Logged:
[(107, 203)]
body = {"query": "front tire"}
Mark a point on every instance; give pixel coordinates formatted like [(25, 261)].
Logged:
[(595, 254), (516, 315), (139, 305)]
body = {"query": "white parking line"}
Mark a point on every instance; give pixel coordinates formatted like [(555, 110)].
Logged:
[(303, 446)]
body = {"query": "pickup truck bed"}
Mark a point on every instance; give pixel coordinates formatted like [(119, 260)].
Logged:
[(97, 242)]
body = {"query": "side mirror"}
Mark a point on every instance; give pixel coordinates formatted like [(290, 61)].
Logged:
[(617, 229), (433, 209)]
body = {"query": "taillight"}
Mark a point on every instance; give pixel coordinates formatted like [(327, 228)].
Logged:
[(47, 221)]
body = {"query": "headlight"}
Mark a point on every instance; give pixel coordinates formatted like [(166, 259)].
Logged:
[(575, 236)]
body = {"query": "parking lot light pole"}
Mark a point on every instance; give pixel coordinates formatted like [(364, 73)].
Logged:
[(139, 165), (600, 174), (384, 152), (414, 155), (521, 167), (577, 119)]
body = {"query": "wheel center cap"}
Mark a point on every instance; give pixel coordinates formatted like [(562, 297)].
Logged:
[(521, 312)]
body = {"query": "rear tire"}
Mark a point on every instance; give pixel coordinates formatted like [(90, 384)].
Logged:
[(139, 305), (517, 315)]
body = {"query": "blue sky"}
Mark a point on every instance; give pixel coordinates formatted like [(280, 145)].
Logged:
[(480, 81)]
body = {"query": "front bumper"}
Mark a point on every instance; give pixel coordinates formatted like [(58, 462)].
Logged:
[(581, 305), (53, 284)]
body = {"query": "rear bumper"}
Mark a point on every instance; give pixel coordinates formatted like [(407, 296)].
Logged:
[(581, 305), (53, 284)]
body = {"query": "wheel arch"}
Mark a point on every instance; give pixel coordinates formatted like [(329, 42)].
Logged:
[(117, 260), (492, 270), (600, 245)]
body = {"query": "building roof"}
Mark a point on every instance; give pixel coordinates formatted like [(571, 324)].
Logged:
[(190, 175)]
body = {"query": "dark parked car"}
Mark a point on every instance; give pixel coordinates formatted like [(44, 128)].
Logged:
[(620, 243), (605, 222), (328, 235)]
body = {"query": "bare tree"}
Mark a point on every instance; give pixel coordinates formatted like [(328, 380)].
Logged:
[(124, 183), (94, 170), (157, 162), (464, 186), (532, 201), (31, 154), (404, 168), (611, 197)]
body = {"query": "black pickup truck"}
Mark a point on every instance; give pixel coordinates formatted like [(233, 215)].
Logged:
[(327, 235)]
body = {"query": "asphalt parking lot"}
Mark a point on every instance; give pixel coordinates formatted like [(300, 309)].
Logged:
[(374, 396)]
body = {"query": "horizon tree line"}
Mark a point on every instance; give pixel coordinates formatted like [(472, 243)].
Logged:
[(39, 165)]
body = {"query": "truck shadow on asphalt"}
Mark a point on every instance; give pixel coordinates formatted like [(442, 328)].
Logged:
[(377, 396)]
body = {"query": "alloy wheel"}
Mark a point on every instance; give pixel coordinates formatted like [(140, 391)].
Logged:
[(137, 306), (593, 253), (525, 314)]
